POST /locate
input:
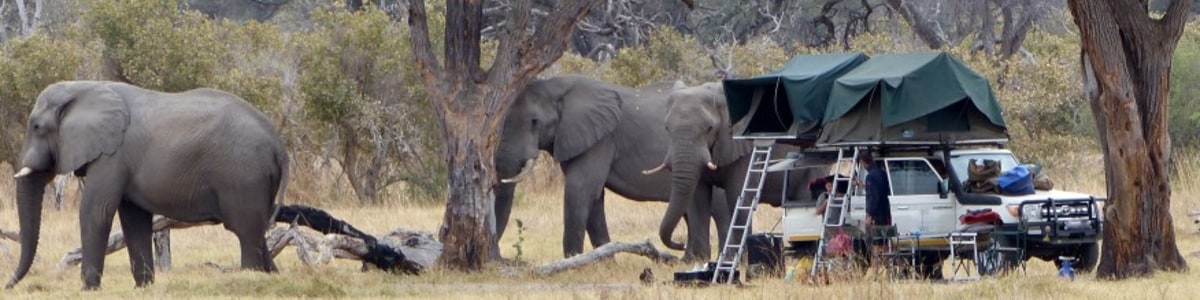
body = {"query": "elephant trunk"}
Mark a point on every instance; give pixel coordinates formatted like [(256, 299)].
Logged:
[(30, 189), (684, 177)]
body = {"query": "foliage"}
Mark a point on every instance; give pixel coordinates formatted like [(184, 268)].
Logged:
[(27, 65), (1184, 107), (156, 45), (357, 87), (668, 55)]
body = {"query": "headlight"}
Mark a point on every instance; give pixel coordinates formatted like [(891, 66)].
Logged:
[(1031, 211)]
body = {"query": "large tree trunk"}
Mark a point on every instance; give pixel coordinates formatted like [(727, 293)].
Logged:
[(1126, 59), (471, 105)]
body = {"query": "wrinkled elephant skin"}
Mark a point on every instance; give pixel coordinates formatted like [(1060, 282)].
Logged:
[(199, 155)]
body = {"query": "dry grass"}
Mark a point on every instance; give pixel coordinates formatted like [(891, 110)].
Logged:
[(540, 211)]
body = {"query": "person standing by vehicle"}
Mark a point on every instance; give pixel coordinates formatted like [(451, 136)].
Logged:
[(879, 210), (878, 221)]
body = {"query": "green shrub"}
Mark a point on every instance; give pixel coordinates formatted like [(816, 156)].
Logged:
[(357, 85), (28, 65)]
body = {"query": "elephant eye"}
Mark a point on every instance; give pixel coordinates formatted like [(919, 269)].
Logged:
[(534, 122)]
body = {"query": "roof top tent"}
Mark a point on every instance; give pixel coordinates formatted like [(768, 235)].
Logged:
[(928, 98), (787, 104)]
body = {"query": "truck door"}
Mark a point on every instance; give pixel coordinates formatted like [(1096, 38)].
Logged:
[(914, 200)]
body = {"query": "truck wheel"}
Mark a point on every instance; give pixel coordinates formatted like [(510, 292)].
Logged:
[(1086, 257)]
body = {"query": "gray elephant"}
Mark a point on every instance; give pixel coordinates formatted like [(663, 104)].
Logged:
[(703, 154), (199, 155), (602, 135)]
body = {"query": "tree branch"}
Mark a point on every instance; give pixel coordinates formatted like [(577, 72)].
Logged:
[(464, 21), (514, 41), (549, 41), (427, 64), (603, 252)]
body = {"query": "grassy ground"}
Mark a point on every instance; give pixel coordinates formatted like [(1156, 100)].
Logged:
[(539, 242)]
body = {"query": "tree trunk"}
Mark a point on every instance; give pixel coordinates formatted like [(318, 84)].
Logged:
[(1126, 59), (471, 104), (924, 29)]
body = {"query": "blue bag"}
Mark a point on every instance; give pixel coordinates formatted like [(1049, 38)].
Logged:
[(1018, 181)]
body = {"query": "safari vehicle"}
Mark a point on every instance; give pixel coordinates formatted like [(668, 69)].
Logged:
[(926, 115), (927, 200)]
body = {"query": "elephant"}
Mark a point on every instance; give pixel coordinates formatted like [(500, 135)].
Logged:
[(202, 155), (601, 134), (702, 154)]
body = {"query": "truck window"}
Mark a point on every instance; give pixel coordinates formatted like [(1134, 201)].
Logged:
[(912, 177)]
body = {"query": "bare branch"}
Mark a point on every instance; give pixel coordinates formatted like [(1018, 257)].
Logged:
[(603, 252), (514, 41), (427, 64), (777, 20), (549, 42)]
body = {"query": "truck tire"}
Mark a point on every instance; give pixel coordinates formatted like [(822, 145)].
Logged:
[(1088, 256)]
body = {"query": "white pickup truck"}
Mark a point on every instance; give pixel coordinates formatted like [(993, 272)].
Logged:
[(927, 200)]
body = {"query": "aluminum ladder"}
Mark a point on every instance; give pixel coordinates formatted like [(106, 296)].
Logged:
[(743, 212), (836, 208)]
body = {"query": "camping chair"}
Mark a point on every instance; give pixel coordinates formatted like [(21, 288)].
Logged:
[(901, 256), (1005, 252), (964, 247), (881, 234)]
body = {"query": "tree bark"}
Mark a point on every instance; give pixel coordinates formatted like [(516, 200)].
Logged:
[(471, 103), (1126, 59), (922, 27)]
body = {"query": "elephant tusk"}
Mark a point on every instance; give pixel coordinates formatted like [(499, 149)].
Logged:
[(525, 170), (24, 171), (655, 169), (712, 166)]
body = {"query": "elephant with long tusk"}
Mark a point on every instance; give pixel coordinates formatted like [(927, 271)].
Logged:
[(602, 136)]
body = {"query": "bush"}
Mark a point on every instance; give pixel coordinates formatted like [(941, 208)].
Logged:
[(357, 86), (28, 65)]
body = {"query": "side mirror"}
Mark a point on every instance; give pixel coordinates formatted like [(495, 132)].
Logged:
[(943, 188)]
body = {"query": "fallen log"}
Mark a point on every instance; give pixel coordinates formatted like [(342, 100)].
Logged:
[(116, 241), (605, 252), (388, 253)]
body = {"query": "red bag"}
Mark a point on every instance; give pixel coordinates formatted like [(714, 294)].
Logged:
[(986, 216), (840, 244)]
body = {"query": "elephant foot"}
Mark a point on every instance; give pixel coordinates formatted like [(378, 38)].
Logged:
[(143, 283)]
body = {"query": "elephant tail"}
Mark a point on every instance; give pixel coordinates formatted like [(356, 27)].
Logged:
[(282, 162)]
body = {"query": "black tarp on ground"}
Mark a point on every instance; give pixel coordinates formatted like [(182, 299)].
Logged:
[(914, 98), (789, 102)]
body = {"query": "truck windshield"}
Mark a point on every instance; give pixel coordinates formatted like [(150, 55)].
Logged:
[(959, 162)]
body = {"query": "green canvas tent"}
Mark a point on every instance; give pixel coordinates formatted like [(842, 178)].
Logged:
[(915, 98), (788, 103)]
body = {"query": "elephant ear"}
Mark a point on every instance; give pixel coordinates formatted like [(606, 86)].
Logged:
[(726, 149), (589, 113), (93, 119)]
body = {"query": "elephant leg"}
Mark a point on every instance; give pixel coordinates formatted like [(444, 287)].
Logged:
[(136, 223), (503, 208), (584, 180), (597, 224), (96, 212), (698, 245), (720, 214), (248, 223)]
